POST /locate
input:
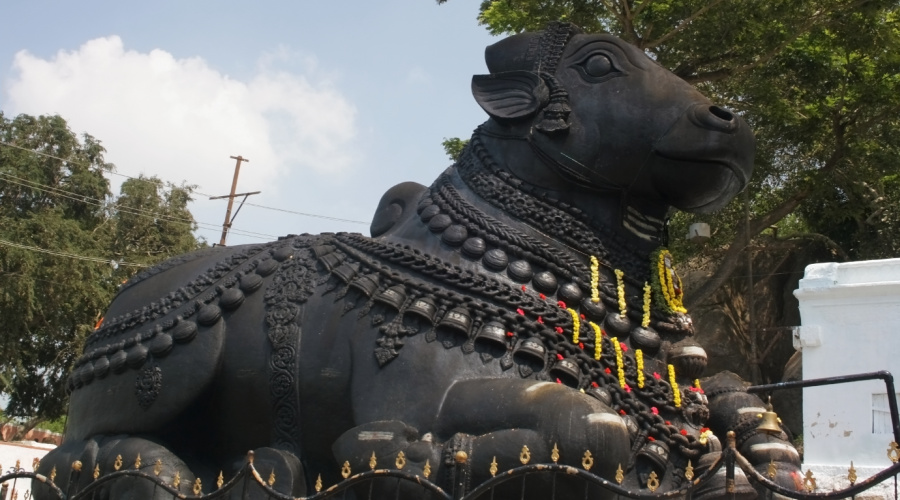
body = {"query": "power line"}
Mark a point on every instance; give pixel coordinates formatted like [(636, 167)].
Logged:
[(70, 255), (304, 214), (129, 210)]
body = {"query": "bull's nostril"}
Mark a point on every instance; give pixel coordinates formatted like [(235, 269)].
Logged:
[(721, 113)]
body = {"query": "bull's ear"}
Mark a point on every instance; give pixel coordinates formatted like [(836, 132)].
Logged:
[(510, 95)]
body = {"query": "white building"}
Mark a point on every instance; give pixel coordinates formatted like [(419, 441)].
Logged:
[(850, 324)]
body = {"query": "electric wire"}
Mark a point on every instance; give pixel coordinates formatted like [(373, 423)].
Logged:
[(129, 210), (69, 255), (294, 212)]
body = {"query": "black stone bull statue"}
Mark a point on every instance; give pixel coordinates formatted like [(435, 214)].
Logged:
[(524, 299)]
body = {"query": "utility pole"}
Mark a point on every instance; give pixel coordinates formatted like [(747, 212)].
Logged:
[(228, 218)]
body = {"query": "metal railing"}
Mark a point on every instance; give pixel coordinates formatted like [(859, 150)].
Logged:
[(373, 482)]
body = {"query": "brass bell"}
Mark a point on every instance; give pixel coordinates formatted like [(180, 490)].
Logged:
[(492, 333), (365, 284), (458, 319), (394, 297), (769, 421), (423, 307)]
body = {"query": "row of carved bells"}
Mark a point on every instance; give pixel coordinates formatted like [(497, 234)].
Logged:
[(529, 353)]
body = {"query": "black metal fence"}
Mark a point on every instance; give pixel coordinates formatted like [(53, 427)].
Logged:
[(249, 482)]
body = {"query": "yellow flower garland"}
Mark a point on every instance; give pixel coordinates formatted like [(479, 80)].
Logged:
[(598, 339), (697, 384), (666, 284), (639, 357), (595, 280), (676, 392), (620, 290), (620, 366), (645, 322), (576, 325)]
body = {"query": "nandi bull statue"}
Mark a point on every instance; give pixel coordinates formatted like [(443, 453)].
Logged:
[(523, 299)]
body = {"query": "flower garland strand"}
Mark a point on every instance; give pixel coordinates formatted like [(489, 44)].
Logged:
[(676, 392), (620, 365), (645, 321), (620, 290), (667, 283), (595, 280), (598, 340), (576, 325), (697, 385), (639, 357)]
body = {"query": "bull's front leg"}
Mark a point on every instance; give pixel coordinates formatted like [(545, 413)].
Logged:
[(486, 421)]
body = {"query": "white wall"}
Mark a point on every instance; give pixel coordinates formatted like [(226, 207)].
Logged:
[(850, 324), (25, 452)]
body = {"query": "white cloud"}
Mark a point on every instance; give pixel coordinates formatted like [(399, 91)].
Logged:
[(180, 119)]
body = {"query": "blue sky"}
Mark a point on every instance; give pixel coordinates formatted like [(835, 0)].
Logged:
[(332, 102)]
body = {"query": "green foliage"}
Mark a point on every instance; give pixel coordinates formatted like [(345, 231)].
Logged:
[(53, 206), (819, 82), (454, 147)]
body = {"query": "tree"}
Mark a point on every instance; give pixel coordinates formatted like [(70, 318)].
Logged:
[(65, 246), (816, 79)]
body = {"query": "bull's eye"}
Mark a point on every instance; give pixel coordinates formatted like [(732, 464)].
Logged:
[(598, 65)]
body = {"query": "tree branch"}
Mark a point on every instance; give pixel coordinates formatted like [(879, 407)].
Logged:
[(683, 24), (723, 73)]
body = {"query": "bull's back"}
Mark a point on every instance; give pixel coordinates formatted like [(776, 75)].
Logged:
[(162, 348)]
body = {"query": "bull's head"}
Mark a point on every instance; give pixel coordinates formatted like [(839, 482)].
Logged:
[(598, 115)]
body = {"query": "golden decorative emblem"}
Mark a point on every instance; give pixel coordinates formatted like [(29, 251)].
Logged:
[(587, 461), (220, 481), (137, 461), (177, 481), (729, 486), (893, 452), (772, 470), (34, 464), (319, 483), (18, 464), (118, 463), (345, 470), (52, 473), (689, 471), (96, 471), (620, 475), (525, 455), (271, 480), (851, 474), (554, 453), (427, 469), (652, 482), (461, 457), (493, 468), (76, 466), (198, 487), (401, 460), (157, 467), (373, 461), (809, 481)]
